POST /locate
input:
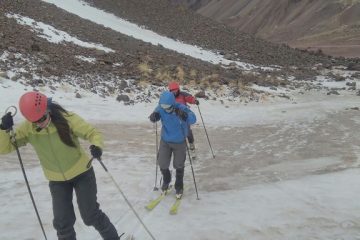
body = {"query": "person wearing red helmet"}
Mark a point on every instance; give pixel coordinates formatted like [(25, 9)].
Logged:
[(184, 98), (54, 133)]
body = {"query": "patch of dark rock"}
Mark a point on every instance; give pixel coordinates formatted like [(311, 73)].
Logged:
[(333, 92), (123, 98), (351, 84)]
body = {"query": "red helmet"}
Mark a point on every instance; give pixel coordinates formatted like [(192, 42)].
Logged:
[(173, 86), (33, 105)]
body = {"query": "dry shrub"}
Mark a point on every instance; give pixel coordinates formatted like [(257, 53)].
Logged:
[(193, 73), (263, 98), (180, 74), (145, 69), (143, 83), (215, 84), (163, 75), (249, 78), (210, 78)]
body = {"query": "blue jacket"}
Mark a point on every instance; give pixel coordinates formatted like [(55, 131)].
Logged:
[(174, 130)]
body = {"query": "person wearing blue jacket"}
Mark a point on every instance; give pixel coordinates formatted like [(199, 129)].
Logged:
[(175, 119)]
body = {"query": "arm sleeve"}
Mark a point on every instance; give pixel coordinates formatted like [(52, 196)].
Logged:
[(85, 131), (21, 134), (191, 119), (189, 98), (157, 109)]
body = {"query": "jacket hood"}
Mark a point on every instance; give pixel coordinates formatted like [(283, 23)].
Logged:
[(167, 98)]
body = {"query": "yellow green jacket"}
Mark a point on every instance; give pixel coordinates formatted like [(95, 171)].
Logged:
[(59, 161)]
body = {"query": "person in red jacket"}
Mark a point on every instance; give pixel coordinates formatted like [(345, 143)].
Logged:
[(184, 98)]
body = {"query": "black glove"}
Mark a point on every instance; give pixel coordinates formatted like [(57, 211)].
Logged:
[(154, 117), (7, 122), (197, 102), (182, 114), (96, 151)]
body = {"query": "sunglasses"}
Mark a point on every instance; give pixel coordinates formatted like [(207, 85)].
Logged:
[(42, 119), (166, 107)]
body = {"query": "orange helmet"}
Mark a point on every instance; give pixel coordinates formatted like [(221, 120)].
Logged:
[(33, 105), (173, 86)]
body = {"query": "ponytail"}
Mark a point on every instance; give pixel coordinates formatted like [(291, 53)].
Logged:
[(57, 118)]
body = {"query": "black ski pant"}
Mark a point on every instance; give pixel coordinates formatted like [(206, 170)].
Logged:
[(63, 209)]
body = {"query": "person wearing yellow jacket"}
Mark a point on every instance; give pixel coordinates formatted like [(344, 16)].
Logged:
[(54, 133)]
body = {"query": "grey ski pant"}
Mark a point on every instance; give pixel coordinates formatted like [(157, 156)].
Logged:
[(179, 151), (167, 149), (63, 209)]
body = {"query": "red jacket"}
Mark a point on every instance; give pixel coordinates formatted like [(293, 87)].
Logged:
[(184, 98)]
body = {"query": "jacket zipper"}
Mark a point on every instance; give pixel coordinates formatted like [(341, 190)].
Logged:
[(57, 161)]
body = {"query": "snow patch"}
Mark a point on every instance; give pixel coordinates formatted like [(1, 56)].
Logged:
[(84, 10), (53, 35)]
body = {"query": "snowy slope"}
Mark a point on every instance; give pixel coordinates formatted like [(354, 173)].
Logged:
[(283, 169)]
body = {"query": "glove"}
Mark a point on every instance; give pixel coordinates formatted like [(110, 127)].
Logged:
[(197, 102), (95, 151), (7, 122), (154, 117), (182, 114)]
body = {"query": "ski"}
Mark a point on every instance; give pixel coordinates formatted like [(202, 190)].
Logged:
[(174, 208), (152, 204)]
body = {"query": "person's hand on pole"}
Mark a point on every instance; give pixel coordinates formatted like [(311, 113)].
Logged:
[(7, 122), (95, 151), (154, 117)]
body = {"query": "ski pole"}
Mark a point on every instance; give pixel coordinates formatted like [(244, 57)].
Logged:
[(192, 170), (157, 157), (124, 196), (188, 152), (14, 142), (206, 132)]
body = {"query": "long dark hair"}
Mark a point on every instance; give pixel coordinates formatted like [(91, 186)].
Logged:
[(57, 118)]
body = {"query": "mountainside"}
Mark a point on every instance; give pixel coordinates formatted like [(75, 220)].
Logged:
[(179, 23), (123, 65), (330, 25)]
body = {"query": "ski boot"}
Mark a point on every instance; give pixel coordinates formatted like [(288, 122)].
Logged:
[(166, 180), (179, 182), (179, 193)]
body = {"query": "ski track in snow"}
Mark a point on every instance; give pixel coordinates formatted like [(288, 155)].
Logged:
[(272, 181)]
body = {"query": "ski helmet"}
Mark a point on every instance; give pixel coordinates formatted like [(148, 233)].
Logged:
[(33, 105), (167, 98), (173, 86)]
